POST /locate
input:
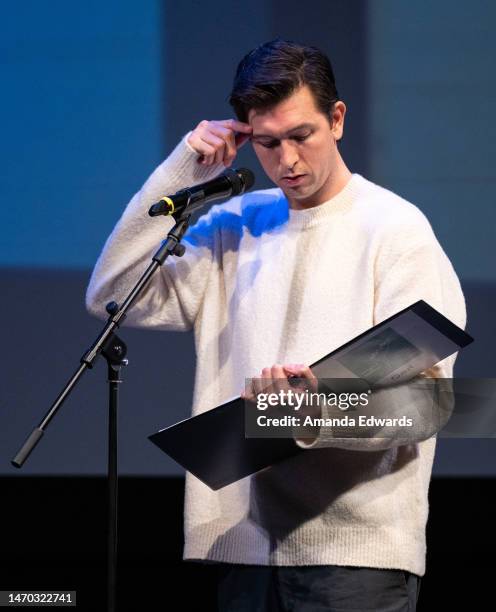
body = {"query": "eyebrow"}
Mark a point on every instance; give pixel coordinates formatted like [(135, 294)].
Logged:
[(302, 126)]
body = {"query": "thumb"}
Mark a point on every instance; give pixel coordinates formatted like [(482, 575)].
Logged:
[(294, 368)]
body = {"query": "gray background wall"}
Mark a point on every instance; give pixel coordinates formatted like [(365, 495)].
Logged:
[(96, 95)]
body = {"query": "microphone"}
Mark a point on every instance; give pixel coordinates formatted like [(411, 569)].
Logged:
[(232, 182)]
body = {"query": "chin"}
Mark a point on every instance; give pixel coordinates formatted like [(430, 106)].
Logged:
[(304, 194)]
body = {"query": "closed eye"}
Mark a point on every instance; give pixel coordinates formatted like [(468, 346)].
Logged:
[(269, 144), (302, 137)]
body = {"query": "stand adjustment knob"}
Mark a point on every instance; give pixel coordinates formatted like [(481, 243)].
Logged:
[(179, 250), (112, 308)]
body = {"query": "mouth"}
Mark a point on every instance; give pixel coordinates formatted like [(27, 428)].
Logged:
[(293, 181)]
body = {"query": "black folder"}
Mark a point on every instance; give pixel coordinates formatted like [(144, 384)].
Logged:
[(213, 446)]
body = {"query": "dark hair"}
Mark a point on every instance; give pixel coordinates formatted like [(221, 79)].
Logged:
[(273, 71)]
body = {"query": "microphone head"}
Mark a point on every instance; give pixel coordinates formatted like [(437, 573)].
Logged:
[(241, 179), (247, 177)]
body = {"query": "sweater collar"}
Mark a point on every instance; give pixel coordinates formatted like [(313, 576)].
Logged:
[(341, 202)]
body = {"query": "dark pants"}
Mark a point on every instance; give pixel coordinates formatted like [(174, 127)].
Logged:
[(250, 588)]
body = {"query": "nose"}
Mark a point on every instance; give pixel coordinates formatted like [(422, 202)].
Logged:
[(288, 155)]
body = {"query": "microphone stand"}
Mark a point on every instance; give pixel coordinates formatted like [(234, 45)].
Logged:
[(114, 351)]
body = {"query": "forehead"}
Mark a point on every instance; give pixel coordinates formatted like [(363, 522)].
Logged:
[(299, 108)]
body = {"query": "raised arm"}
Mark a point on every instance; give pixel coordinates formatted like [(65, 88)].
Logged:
[(173, 297)]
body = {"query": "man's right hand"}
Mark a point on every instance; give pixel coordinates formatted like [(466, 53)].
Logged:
[(218, 141)]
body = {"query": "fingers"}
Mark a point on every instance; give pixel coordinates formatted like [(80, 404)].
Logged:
[(218, 141), (302, 371), (299, 370), (274, 379), (236, 126), (262, 383), (279, 378), (222, 141)]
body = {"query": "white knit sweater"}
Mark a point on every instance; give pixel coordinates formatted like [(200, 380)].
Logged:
[(262, 284)]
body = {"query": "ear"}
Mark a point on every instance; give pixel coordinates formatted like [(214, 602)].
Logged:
[(337, 116)]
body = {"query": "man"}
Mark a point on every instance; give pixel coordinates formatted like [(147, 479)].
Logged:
[(270, 282)]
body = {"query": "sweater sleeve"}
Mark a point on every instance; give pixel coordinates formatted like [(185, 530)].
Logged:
[(173, 297), (410, 266)]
